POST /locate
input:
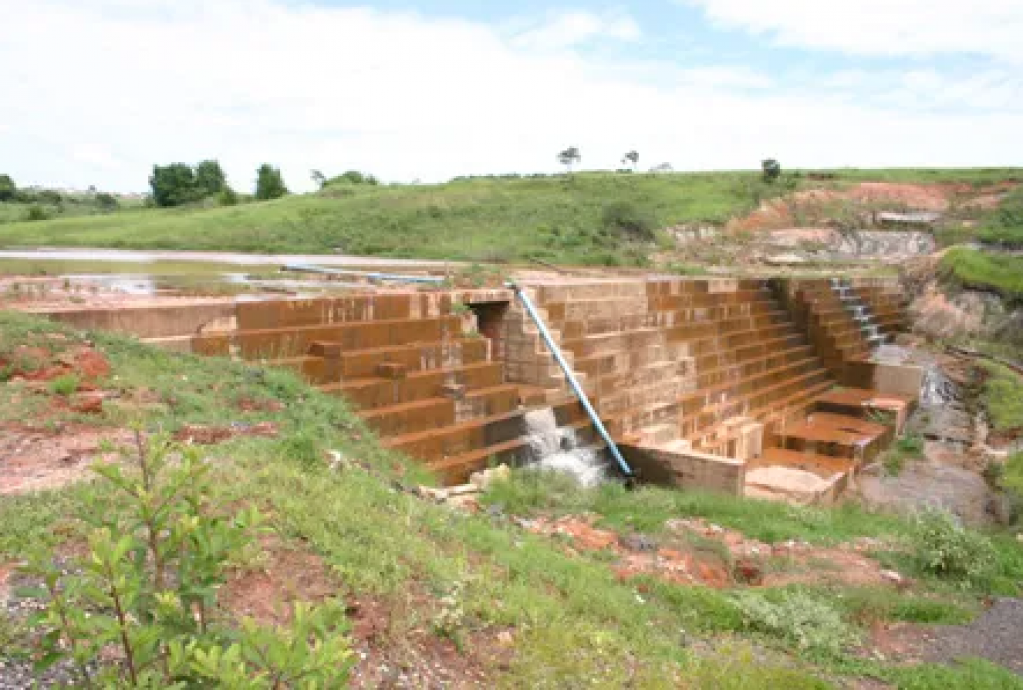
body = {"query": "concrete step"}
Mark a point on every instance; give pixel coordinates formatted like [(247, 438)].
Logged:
[(376, 392)]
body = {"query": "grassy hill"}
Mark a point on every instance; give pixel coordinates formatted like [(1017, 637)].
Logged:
[(432, 588), (588, 218)]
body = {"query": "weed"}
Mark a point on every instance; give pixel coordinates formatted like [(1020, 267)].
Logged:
[(796, 618), (735, 667), (66, 384), (946, 549)]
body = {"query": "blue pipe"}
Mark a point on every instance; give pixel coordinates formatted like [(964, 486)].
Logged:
[(369, 275), (579, 392)]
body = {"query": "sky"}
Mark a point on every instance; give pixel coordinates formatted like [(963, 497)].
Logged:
[(94, 92)]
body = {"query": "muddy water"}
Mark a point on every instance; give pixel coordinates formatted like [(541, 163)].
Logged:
[(216, 258), (148, 273)]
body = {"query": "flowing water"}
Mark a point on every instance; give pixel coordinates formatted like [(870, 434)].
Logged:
[(557, 448)]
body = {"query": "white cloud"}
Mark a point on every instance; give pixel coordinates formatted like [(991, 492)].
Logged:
[(96, 91), (881, 27), (567, 29)]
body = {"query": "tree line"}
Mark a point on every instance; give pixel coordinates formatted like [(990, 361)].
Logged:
[(178, 184)]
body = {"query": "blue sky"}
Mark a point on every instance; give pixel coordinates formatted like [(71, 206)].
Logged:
[(99, 90)]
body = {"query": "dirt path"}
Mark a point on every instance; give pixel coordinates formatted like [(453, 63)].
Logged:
[(994, 636)]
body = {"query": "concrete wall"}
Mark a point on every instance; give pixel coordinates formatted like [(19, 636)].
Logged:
[(686, 469), (147, 321)]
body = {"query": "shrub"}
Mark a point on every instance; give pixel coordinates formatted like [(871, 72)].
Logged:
[(796, 618), (106, 201), (36, 212), (148, 588), (227, 197), (771, 170), (910, 445), (7, 188), (64, 385), (944, 548), (629, 220), (353, 177)]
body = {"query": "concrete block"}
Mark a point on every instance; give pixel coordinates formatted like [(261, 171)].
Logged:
[(392, 370)]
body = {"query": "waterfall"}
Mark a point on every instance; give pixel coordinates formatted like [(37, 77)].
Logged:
[(938, 389), (557, 449)]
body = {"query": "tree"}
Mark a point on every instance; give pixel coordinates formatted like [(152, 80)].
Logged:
[(631, 158), (353, 177), (772, 170), (570, 157), (174, 185), (106, 202), (269, 183), (209, 178), (318, 178), (7, 188)]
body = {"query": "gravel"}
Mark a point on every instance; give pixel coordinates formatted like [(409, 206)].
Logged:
[(995, 636)]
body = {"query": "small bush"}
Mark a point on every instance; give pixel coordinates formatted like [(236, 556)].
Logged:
[(106, 202), (227, 197), (64, 385), (771, 170), (910, 445), (796, 618), (630, 221), (946, 549), (36, 212)]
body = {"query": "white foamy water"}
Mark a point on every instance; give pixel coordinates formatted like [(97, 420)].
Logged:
[(557, 449)]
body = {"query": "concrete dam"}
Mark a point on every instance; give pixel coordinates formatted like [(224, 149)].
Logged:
[(758, 387)]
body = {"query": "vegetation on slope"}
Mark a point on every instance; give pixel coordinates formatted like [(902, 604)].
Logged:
[(587, 218), (980, 270), (1005, 225), (469, 581), (1002, 397), (582, 219)]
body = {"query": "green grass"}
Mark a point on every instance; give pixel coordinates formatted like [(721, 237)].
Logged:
[(575, 623), (975, 176), (980, 270), (554, 218), (647, 509), (1002, 396), (1005, 225), (974, 674)]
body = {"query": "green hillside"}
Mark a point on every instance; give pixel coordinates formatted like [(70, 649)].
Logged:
[(591, 218)]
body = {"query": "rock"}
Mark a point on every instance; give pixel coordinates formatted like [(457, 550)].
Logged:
[(892, 576), (88, 403), (786, 260), (637, 542), (484, 479), (505, 638)]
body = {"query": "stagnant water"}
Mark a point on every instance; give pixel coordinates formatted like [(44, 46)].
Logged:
[(557, 449)]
